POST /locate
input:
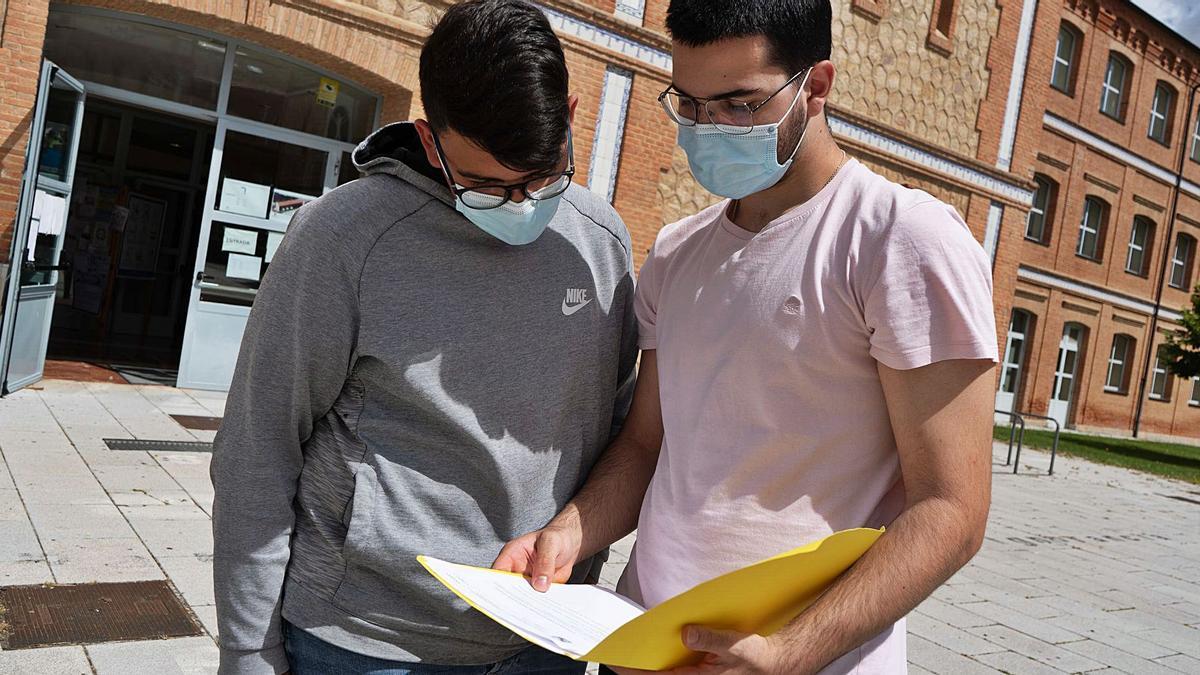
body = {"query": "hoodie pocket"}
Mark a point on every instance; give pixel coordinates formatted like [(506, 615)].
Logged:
[(358, 516)]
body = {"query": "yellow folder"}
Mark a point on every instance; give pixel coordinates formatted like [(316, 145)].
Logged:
[(759, 599)]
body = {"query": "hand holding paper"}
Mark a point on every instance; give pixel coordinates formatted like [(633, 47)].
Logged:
[(589, 623)]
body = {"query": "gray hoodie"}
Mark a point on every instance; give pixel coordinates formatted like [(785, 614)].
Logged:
[(410, 385)]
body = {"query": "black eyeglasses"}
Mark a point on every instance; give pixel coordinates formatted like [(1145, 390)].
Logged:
[(484, 197), (727, 115)]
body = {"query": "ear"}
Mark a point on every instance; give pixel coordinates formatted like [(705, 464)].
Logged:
[(572, 103), (820, 85), (425, 131)]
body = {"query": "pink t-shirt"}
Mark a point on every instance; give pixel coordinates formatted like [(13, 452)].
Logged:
[(776, 428)]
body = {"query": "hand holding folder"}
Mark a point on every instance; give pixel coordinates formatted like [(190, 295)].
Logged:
[(589, 623)]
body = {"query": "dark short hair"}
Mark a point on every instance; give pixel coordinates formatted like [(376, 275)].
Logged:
[(799, 31), (494, 71)]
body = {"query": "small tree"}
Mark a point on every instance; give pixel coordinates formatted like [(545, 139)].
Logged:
[(1182, 349)]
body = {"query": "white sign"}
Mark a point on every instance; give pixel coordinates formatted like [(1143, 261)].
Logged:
[(273, 239), (247, 199), (240, 241), (284, 204), (243, 267)]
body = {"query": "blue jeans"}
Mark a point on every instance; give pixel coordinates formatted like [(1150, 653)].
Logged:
[(309, 655)]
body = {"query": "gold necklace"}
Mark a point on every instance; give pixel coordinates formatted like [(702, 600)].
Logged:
[(737, 203)]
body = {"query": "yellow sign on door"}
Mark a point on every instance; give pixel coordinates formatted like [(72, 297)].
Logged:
[(327, 92)]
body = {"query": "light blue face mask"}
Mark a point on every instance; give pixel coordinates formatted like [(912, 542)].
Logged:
[(513, 223), (738, 165)]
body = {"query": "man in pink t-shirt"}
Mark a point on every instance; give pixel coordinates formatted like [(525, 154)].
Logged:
[(818, 355)]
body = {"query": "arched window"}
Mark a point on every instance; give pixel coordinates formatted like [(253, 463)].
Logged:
[(1062, 75), (1037, 225), (1141, 238), (1116, 84), (1123, 349), (1091, 228), (1162, 380), (1183, 258), (1019, 327), (1162, 112)]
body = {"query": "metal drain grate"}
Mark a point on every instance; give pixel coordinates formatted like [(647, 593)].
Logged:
[(44, 615), (198, 423), (157, 446)]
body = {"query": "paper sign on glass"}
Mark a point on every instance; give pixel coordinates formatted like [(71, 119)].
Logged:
[(245, 198), (240, 241), (243, 267), (273, 239), (589, 623)]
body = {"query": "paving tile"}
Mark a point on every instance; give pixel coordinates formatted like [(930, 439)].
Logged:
[(1121, 660), (1043, 652), (1037, 628), (86, 560), (24, 572), (175, 537), (954, 615), (1181, 662), (948, 636), (48, 661), (192, 576), (208, 616), (179, 656), (1011, 662), (937, 659)]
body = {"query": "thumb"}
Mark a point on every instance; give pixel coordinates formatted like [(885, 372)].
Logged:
[(701, 639), (545, 557)]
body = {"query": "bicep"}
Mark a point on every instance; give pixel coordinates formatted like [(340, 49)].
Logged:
[(941, 417), (644, 425)]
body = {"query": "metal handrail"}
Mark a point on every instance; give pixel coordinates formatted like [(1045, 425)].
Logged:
[(1053, 448), (1012, 428)]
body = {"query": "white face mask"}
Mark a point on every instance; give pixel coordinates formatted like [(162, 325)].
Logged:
[(738, 165)]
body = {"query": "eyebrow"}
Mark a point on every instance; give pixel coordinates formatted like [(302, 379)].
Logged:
[(733, 93)]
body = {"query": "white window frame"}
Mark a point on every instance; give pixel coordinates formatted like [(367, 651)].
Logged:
[(610, 130), (1042, 194), (1160, 108), (1163, 376), (1087, 227), (1139, 248), (1014, 356), (1110, 90), (1194, 399), (1063, 64), (1180, 265), (1196, 140), (1114, 362)]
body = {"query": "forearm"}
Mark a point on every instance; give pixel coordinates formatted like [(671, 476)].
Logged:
[(606, 508), (925, 545)]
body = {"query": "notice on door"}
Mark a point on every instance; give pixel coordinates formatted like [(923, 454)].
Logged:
[(273, 241), (243, 267), (240, 241), (247, 199), (327, 92)]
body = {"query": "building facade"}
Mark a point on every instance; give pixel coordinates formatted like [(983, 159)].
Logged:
[(1107, 255)]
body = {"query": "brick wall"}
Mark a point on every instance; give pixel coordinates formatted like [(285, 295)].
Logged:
[(24, 24), (1080, 171)]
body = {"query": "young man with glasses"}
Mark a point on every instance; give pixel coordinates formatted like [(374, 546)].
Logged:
[(818, 355), (437, 356)]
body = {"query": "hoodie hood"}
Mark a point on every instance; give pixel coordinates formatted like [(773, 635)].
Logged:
[(396, 150)]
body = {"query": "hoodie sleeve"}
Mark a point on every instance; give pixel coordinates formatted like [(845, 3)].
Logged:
[(297, 351)]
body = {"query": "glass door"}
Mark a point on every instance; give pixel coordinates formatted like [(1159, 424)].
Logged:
[(1014, 359), (1064, 374), (35, 276), (259, 177)]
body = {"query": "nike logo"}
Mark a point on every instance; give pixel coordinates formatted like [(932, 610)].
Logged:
[(577, 299)]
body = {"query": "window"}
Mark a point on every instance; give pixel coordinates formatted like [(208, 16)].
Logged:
[(1139, 238), (1112, 97), (1062, 74), (1118, 364), (1014, 351), (1091, 226), (1161, 111), (1181, 261), (1196, 140), (1194, 399), (1035, 225), (610, 129), (941, 26), (1160, 383)]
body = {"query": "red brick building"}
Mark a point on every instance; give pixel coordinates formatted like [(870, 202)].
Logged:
[(1107, 256)]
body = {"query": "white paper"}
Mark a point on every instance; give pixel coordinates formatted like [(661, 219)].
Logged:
[(570, 619), (273, 239), (248, 199), (243, 267), (240, 241)]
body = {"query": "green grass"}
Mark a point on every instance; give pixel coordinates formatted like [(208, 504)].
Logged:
[(1171, 460)]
